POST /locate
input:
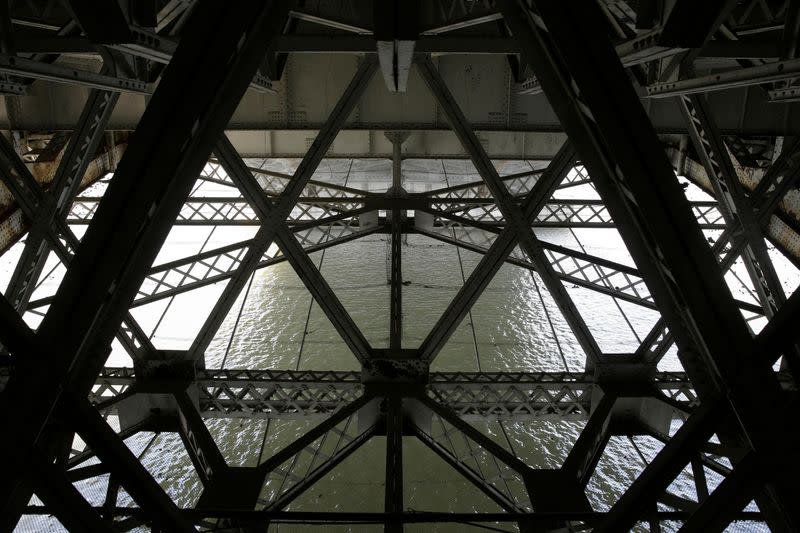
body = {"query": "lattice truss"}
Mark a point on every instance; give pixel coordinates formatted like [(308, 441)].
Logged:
[(712, 442)]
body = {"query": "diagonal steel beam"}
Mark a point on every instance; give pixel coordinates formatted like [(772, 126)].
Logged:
[(778, 179), (111, 450), (590, 92), (585, 453), (658, 475), (286, 202), (291, 452), (33, 202), (63, 500), (490, 467), (294, 252), (189, 273), (471, 475), (218, 54), (320, 470), (731, 496), (578, 268), (735, 207), (514, 215), (203, 451), (493, 259), (51, 483), (78, 154)]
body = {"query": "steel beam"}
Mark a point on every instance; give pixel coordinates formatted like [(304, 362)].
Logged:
[(284, 205), (294, 252), (222, 47), (259, 394), (492, 468), (398, 215), (122, 463), (190, 273), (27, 68), (736, 208), (200, 445), (690, 26), (63, 500), (104, 24), (556, 213), (284, 462), (329, 22), (79, 152), (393, 497), (731, 496), (590, 92), (471, 474), (662, 469), (396, 283), (512, 213), (15, 335), (6, 35), (587, 450), (731, 79), (36, 205), (779, 178), (320, 468), (494, 257)]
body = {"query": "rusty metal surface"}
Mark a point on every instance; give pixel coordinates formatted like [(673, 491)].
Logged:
[(784, 226), (13, 225)]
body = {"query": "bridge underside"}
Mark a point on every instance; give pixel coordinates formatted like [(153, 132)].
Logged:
[(482, 127)]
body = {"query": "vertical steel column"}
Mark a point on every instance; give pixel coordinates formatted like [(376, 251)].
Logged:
[(396, 281), (393, 502), (6, 32), (396, 298)]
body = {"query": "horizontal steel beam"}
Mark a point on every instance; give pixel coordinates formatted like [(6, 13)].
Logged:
[(27, 68), (356, 44), (412, 517), (244, 393), (555, 213), (742, 77)]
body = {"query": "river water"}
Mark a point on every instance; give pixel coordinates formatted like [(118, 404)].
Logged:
[(514, 326)]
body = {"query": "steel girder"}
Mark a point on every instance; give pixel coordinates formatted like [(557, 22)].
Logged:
[(49, 228), (234, 393), (497, 253), (286, 202), (448, 399), (150, 185), (513, 213), (735, 207), (204, 211), (296, 255), (588, 89), (78, 154), (730, 242)]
